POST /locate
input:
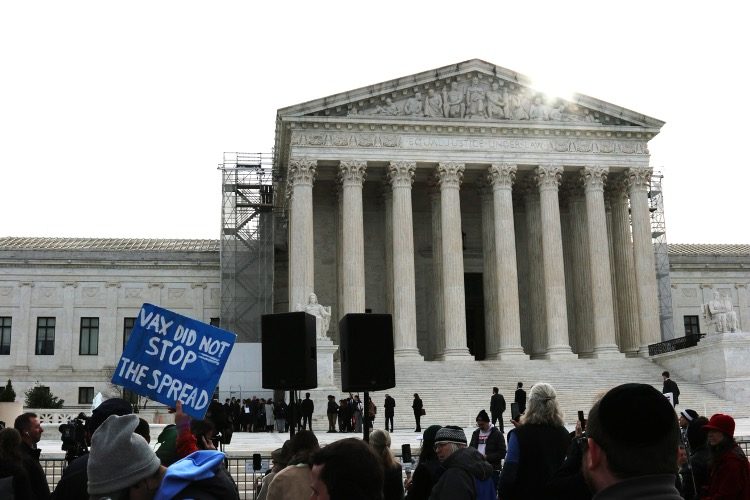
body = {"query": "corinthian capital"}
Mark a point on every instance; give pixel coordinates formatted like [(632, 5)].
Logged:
[(638, 179), (352, 172), (401, 173), (501, 175), (450, 174), (594, 177), (548, 176), (301, 171)]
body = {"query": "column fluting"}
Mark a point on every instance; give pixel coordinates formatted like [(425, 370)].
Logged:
[(351, 176), (301, 175)]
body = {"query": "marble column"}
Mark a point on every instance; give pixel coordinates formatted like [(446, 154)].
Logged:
[(537, 315), (566, 225), (643, 257), (584, 331), (339, 253), (612, 277), (605, 345), (110, 345), (26, 338), (301, 174), (401, 177), (489, 269), (66, 340), (558, 346), (438, 316), (352, 175), (742, 305), (454, 301), (388, 206), (522, 261), (501, 177), (622, 245), (199, 301)]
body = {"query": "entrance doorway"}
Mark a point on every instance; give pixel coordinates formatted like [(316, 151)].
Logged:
[(475, 334)]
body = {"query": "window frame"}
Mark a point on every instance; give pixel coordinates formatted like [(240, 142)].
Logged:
[(691, 321), (127, 330), (88, 331), (81, 392), (45, 336), (6, 328)]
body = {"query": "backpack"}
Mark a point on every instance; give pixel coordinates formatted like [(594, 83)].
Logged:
[(484, 489)]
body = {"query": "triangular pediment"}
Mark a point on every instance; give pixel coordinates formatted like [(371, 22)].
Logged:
[(472, 91)]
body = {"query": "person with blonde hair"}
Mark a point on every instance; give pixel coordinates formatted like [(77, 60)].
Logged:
[(536, 446), (393, 487)]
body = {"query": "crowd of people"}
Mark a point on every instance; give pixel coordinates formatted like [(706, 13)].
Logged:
[(632, 445)]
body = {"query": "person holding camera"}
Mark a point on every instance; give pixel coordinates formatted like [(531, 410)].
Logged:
[(72, 484)]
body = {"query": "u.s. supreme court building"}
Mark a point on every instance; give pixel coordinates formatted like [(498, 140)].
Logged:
[(492, 221)]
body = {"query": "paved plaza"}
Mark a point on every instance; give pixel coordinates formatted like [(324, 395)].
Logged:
[(247, 443)]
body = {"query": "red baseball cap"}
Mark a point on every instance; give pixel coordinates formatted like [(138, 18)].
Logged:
[(722, 423)]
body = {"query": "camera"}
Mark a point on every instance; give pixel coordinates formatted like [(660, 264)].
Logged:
[(73, 437)]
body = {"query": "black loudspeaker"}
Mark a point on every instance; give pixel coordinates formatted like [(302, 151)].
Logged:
[(257, 461), (289, 358), (366, 348)]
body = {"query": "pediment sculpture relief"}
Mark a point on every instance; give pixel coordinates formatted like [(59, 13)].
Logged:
[(478, 99)]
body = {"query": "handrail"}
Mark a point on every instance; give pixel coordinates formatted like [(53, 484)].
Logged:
[(689, 340)]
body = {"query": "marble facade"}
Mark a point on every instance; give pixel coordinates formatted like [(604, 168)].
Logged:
[(418, 181)]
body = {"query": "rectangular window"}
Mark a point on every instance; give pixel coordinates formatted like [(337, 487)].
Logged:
[(127, 330), (215, 322), (85, 395), (5, 322), (45, 336), (89, 345), (692, 326)]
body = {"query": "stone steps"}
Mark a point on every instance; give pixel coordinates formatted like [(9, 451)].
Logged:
[(453, 392)]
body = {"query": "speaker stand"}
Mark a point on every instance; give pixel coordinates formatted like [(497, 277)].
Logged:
[(366, 418)]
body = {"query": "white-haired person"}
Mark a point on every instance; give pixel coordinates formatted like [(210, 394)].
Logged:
[(536, 446)]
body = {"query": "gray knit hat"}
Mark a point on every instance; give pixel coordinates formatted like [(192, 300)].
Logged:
[(119, 458), (450, 434)]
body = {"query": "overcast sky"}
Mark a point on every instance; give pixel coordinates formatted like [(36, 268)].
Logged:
[(115, 115)]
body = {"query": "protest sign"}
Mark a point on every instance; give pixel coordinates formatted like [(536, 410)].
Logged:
[(171, 358)]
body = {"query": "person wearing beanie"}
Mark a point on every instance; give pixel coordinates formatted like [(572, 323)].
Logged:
[(121, 464), (428, 470), (490, 442), (729, 468), (696, 475), (467, 474), (74, 480), (536, 446), (685, 417), (626, 460)]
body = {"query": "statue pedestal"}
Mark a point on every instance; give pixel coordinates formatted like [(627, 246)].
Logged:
[(325, 349), (718, 363)]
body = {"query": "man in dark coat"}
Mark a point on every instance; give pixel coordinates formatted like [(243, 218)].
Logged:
[(307, 411), (670, 386), (465, 468), (622, 460), (389, 406), (28, 425), (497, 407), (520, 398)]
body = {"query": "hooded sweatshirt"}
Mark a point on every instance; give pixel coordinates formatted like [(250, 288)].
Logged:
[(199, 475), (461, 469)]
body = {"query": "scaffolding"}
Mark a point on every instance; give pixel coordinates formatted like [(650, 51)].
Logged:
[(661, 255), (247, 243)]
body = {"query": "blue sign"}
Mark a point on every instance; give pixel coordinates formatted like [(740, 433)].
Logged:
[(171, 358)]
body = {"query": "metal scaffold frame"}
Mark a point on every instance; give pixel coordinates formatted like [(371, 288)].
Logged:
[(661, 255), (247, 243)]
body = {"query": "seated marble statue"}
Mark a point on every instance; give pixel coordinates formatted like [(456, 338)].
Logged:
[(322, 315), (720, 311)]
